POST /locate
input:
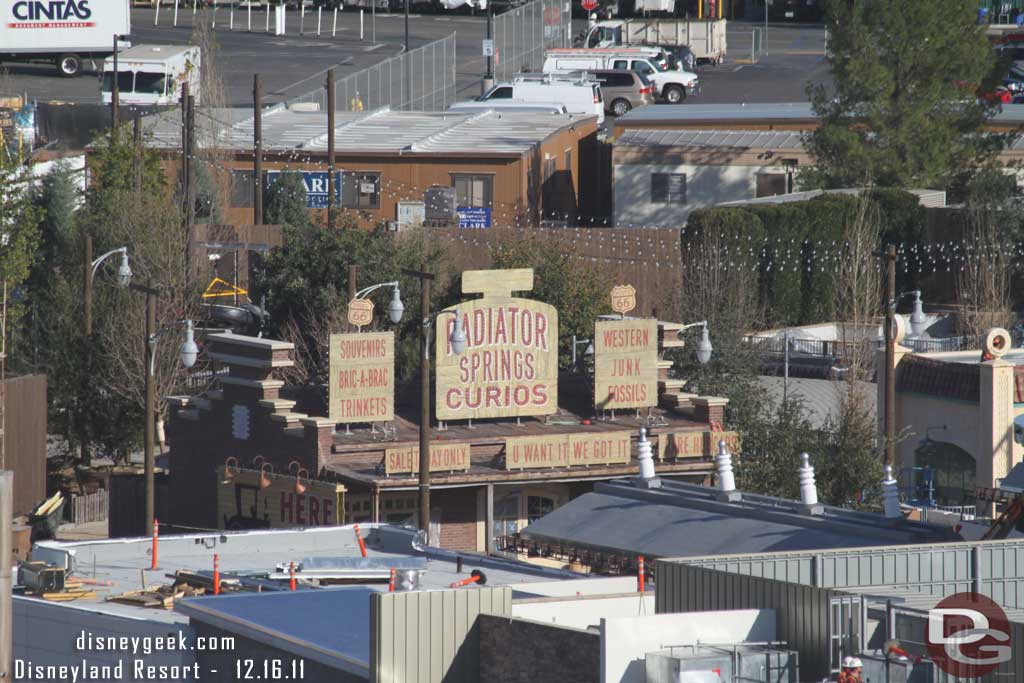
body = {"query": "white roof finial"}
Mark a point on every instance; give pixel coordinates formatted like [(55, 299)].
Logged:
[(723, 463), (890, 495), (645, 459), (808, 492)]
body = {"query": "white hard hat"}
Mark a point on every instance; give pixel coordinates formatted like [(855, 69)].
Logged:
[(856, 663), (847, 662)]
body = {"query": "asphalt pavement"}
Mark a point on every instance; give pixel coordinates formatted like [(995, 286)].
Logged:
[(294, 64)]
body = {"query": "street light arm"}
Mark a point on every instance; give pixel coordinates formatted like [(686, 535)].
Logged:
[(702, 323), (97, 262), (362, 293)]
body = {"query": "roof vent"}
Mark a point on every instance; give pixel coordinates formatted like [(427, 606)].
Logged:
[(645, 458), (808, 490), (726, 481), (890, 496)]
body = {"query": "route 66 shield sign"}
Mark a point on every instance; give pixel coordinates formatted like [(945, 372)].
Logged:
[(360, 312), (623, 299)]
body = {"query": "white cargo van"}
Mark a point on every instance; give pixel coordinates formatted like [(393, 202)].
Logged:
[(511, 106), (670, 85), (152, 74), (579, 95), (64, 32)]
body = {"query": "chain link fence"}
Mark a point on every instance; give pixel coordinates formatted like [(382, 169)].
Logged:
[(521, 36), (422, 79)]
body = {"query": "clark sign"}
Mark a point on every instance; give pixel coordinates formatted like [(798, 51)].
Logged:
[(625, 363), (362, 377), (444, 457), (510, 365), (567, 450)]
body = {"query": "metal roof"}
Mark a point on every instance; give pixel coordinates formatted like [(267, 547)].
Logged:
[(685, 113), (383, 130), (711, 138), (685, 520)]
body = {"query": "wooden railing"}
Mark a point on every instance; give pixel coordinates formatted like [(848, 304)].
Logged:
[(91, 507)]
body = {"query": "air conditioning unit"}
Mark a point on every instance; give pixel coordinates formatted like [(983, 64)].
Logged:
[(439, 204), (409, 214)]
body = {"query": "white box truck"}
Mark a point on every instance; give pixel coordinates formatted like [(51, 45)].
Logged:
[(63, 32), (152, 74), (704, 37)]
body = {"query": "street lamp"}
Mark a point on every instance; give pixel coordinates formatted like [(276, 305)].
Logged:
[(703, 347), (123, 279), (395, 308), (187, 354), (457, 340)]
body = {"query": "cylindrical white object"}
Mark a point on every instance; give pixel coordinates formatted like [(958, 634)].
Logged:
[(645, 456), (890, 495), (808, 491), (360, 24), (723, 463)]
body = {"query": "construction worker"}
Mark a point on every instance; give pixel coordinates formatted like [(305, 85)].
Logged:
[(851, 670)]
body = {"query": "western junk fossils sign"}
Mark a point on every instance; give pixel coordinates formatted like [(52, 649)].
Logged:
[(444, 457), (362, 377), (567, 450), (625, 363), (510, 365)]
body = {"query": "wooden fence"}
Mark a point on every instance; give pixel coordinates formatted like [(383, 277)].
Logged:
[(649, 259), (91, 507)]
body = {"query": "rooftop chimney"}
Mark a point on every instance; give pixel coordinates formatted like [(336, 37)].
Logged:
[(890, 496), (808, 491), (645, 458), (726, 482)]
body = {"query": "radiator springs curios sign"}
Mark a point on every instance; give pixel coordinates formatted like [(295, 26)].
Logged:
[(510, 365)]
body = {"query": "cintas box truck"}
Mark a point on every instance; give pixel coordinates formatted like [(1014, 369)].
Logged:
[(63, 32)]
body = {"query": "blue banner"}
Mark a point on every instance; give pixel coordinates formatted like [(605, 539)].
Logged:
[(474, 217), (316, 187)]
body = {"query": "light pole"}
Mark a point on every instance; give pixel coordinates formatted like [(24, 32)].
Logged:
[(187, 354), (124, 276), (457, 339), (395, 308)]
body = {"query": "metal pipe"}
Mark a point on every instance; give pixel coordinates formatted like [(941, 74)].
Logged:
[(6, 576), (330, 149)]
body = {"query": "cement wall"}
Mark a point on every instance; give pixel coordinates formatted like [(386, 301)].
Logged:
[(523, 651), (626, 640)]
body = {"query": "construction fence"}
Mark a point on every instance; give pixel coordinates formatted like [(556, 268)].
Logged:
[(521, 36), (422, 79)]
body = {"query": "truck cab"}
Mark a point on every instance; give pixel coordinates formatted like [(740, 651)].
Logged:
[(152, 75)]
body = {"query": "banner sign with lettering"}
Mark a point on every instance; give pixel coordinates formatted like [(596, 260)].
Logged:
[(681, 445), (362, 377), (444, 457), (625, 363), (242, 503), (510, 365), (567, 450)]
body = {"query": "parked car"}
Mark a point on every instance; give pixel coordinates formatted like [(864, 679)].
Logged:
[(580, 95), (623, 89)]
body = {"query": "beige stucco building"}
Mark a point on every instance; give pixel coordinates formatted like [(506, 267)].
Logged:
[(956, 414)]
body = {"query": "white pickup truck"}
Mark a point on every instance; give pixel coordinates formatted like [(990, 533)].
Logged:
[(704, 37), (64, 32)]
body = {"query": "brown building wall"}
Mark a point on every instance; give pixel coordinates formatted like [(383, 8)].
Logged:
[(458, 517), (519, 651), (25, 439)]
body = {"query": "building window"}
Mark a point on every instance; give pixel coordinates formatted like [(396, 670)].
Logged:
[(771, 184), (241, 189), (668, 188), (360, 190), (506, 516), (537, 507), (473, 190)]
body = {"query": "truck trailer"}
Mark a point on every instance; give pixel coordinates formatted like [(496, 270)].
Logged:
[(66, 33), (704, 37)]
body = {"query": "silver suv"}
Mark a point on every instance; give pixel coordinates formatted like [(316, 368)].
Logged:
[(623, 89)]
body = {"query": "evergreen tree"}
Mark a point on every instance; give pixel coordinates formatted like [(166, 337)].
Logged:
[(284, 201), (904, 109)]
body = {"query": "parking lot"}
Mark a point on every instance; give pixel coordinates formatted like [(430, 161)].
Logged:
[(295, 64)]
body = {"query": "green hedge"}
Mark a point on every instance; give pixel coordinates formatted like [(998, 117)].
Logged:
[(791, 240)]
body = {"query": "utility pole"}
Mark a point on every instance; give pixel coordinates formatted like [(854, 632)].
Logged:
[(330, 148), (148, 351), (353, 272), (190, 186), (87, 293), (6, 577), (425, 329), (115, 92), (137, 156), (489, 78), (185, 131), (890, 355), (407, 62), (257, 154)]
